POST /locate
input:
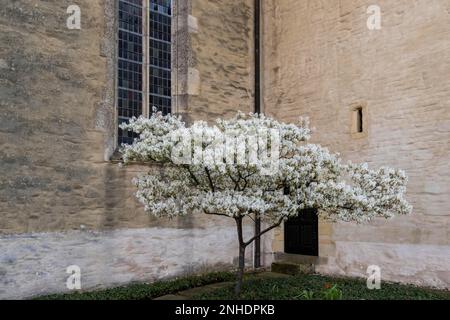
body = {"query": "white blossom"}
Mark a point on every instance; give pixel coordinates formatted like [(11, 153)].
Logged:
[(307, 176)]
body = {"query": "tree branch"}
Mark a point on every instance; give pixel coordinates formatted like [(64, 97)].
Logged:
[(245, 181), (192, 175), (251, 217), (236, 182), (265, 231), (216, 214), (211, 184)]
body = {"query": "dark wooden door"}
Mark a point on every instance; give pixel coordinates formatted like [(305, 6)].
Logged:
[(301, 234)]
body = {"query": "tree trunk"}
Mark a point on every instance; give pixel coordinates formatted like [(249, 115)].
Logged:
[(240, 274), (241, 267), (243, 245)]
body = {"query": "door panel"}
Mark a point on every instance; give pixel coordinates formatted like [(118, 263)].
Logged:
[(301, 234)]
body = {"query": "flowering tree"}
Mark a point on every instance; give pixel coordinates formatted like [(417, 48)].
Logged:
[(225, 170)]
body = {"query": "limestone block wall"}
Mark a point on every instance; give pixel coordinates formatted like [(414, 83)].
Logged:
[(61, 199), (322, 61), (222, 59)]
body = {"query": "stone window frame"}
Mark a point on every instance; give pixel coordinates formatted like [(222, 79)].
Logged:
[(183, 25), (354, 109)]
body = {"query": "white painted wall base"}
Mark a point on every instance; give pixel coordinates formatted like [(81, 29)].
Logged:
[(35, 264), (422, 265)]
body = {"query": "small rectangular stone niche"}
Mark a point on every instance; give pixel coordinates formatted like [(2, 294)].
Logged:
[(359, 121)]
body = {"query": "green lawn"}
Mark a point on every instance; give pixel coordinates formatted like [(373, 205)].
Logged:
[(299, 287)]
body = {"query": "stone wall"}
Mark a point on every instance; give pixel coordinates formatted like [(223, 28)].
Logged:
[(322, 61), (222, 58), (57, 109), (36, 264), (53, 84)]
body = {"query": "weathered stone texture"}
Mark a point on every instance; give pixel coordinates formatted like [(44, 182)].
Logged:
[(321, 60), (58, 127), (57, 107), (53, 174), (222, 53), (58, 116), (422, 265), (36, 264)]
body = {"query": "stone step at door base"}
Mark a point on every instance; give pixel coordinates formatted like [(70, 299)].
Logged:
[(292, 269), (293, 264)]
